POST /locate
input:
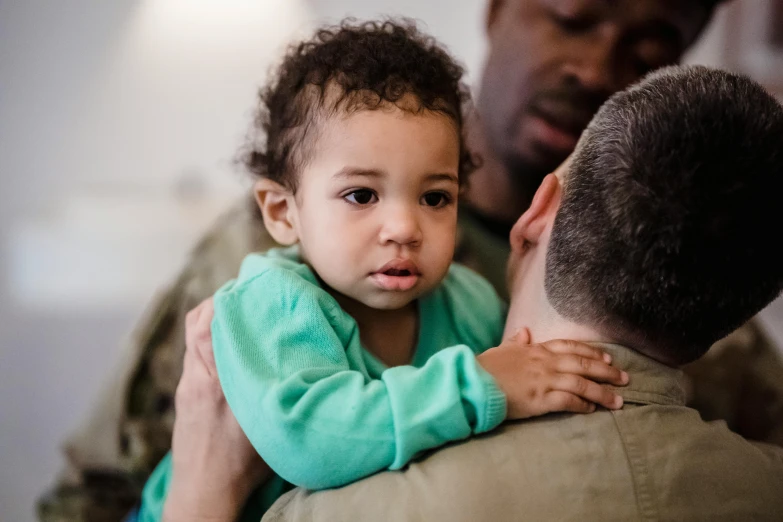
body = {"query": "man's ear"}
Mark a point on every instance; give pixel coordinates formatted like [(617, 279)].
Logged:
[(493, 11), (542, 210), (276, 204)]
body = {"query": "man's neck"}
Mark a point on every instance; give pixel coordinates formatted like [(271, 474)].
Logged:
[(530, 308), (545, 324)]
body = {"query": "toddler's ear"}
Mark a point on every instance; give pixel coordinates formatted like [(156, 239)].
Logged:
[(276, 204)]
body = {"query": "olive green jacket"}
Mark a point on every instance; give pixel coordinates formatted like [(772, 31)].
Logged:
[(655, 459)]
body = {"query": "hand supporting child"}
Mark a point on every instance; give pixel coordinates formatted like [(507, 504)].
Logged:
[(214, 465), (557, 375)]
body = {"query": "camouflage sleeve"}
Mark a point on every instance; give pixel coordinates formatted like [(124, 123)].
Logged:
[(740, 380), (111, 455)]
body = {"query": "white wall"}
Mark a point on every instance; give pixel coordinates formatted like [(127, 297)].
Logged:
[(459, 24), (118, 124)]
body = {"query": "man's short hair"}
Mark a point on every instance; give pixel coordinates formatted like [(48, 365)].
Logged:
[(667, 232)]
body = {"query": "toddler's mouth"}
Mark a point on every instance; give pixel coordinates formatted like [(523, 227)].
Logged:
[(397, 275), (395, 272)]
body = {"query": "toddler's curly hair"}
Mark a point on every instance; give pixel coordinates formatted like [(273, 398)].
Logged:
[(348, 67)]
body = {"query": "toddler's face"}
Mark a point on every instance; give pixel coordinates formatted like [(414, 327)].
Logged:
[(376, 207)]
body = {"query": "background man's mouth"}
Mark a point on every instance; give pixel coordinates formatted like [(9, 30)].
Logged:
[(552, 136)]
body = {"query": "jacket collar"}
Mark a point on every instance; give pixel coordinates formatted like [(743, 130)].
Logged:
[(650, 382)]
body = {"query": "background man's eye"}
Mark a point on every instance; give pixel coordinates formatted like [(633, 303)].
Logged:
[(573, 24), (360, 197)]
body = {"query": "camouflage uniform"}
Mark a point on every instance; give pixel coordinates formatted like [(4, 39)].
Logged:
[(741, 379)]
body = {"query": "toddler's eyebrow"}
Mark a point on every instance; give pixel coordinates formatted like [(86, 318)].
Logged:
[(351, 172), (443, 177)]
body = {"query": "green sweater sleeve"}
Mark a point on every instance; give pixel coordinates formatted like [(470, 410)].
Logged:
[(290, 363)]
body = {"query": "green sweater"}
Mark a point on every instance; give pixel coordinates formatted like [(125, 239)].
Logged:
[(321, 410)]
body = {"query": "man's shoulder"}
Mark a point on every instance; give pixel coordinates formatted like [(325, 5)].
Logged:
[(694, 465), (217, 256), (521, 467), (532, 466), (681, 434), (740, 380)]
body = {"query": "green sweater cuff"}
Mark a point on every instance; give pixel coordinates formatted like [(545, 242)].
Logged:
[(495, 406)]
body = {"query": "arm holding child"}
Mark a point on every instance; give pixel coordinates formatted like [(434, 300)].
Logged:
[(299, 388), (215, 466)]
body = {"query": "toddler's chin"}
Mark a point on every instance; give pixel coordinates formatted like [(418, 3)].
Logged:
[(391, 300)]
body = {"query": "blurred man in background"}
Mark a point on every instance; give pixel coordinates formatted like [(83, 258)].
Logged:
[(550, 65)]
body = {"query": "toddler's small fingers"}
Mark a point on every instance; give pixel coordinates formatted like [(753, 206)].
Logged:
[(564, 401), (588, 390), (563, 346)]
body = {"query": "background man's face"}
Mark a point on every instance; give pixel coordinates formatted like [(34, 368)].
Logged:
[(552, 63)]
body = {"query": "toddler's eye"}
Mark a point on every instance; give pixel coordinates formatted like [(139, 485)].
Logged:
[(436, 199), (361, 197)]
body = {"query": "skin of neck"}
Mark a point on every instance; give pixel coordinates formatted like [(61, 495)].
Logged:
[(391, 335), (530, 307)]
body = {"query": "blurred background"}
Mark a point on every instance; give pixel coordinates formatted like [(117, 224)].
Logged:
[(118, 126)]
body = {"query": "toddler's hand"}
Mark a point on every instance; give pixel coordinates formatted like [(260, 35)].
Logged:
[(553, 376)]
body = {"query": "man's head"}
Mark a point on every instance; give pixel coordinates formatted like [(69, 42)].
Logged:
[(552, 63), (663, 236)]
